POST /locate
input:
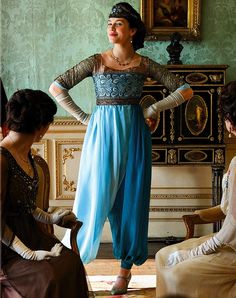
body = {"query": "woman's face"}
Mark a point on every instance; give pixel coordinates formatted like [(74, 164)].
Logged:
[(230, 128), (119, 31)]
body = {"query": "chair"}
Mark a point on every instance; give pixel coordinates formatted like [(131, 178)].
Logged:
[(203, 216), (42, 202)]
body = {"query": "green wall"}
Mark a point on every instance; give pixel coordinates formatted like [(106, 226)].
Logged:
[(41, 39)]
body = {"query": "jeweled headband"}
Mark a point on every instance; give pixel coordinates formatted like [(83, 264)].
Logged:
[(120, 11), (125, 10)]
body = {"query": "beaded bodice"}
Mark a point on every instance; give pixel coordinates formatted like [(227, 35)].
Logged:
[(118, 85), (21, 189)]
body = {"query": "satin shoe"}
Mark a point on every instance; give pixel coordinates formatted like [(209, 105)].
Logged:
[(119, 291)]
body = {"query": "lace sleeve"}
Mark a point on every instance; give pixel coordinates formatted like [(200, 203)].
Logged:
[(77, 73), (227, 233), (7, 235), (224, 204), (232, 188), (164, 76)]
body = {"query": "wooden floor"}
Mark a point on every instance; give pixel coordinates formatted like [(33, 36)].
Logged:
[(111, 267), (105, 264)]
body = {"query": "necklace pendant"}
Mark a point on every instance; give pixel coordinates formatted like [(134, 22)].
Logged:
[(118, 60)]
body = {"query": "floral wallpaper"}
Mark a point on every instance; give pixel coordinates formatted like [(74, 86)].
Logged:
[(41, 39)]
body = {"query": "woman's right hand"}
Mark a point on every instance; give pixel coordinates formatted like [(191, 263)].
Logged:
[(40, 255), (19, 247)]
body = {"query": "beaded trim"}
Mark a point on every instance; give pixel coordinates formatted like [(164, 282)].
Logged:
[(131, 101), (120, 11)]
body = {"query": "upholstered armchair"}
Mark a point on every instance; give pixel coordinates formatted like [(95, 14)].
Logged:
[(43, 203), (203, 216)]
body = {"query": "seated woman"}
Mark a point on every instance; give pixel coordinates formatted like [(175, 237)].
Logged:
[(34, 264), (206, 266)]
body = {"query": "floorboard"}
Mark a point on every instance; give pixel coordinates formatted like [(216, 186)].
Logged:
[(105, 264)]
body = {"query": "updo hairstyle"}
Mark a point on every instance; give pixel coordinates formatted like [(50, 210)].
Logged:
[(125, 10), (29, 110), (228, 102)]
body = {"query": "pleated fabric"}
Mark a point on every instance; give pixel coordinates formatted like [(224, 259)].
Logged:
[(114, 182), (210, 276)]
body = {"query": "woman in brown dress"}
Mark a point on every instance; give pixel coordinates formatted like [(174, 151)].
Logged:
[(34, 264)]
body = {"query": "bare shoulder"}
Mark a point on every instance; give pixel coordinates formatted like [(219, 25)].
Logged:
[(106, 58), (106, 53)]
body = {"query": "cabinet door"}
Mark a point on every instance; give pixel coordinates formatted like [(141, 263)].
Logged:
[(197, 121)]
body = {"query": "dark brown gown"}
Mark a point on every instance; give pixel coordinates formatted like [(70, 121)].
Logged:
[(58, 277)]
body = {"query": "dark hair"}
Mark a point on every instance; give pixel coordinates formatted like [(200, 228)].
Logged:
[(125, 10), (227, 102), (29, 110)]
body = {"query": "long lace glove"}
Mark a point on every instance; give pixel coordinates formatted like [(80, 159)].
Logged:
[(206, 248), (50, 218), (37, 255), (64, 99), (171, 101)]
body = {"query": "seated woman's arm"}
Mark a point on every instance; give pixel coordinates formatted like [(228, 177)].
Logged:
[(227, 234), (8, 237), (50, 218)]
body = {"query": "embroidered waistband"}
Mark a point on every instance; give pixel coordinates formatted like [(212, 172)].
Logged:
[(131, 101)]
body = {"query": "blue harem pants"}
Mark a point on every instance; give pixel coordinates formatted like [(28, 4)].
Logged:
[(114, 182)]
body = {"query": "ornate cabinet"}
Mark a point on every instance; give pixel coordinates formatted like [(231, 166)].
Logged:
[(193, 132)]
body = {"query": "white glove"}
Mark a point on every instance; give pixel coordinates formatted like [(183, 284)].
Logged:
[(65, 100), (50, 218), (68, 220), (150, 113), (177, 257), (206, 248), (171, 101), (37, 255)]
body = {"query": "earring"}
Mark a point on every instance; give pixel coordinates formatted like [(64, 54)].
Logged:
[(131, 41), (40, 136)]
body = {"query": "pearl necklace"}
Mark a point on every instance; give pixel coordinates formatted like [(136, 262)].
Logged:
[(26, 161), (118, 60)]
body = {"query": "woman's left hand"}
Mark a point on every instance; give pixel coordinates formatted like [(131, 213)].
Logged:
[(58, 214), (152, 123), (150, 113)]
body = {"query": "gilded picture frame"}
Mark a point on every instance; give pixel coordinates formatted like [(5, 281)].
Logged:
[(164, 17)]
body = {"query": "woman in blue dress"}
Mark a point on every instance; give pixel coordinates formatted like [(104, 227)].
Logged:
[(115, 168)]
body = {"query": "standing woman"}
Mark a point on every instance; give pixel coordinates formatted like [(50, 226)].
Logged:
[(115, 168)]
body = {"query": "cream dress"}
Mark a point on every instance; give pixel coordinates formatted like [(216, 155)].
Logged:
[(205, 276)]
